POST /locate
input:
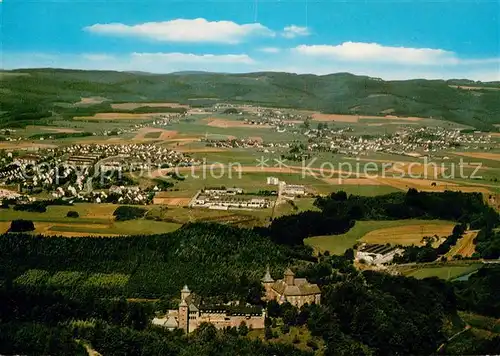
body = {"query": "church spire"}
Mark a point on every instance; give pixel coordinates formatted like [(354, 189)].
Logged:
[(267, 277)]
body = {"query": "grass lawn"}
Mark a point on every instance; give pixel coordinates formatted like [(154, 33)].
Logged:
[(443, 272), (337, 244)]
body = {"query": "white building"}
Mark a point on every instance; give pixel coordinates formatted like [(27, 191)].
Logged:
[(292, 189), (272, 181), (373, 254)]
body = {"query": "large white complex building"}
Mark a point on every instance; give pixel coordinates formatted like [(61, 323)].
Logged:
[(373, 254)]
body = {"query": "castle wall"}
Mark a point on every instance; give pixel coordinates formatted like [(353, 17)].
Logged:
[(222, 320)]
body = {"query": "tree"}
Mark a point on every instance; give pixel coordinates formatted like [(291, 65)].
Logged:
[(21, 225), (268, 333), (72, 214), (123, 213), (243, 329), (290, 315), (273, 309), (349, 254)]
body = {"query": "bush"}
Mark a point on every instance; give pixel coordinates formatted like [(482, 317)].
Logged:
[(123, 213), (34, 207), (72, 214), (312, 344), (21, 225)]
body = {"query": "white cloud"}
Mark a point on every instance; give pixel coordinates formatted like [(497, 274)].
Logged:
[(373, 52), (137, 61), (194, 58), (293, 31), (270, 50), (186, 30), (285, 61)]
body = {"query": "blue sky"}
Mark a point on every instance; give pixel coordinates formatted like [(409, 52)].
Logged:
[(388, 39)]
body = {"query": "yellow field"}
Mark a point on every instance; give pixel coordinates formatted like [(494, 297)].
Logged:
[(117, 116), (356, 118), (427, 185), (221, 123), (53, 129), (17, 145), (166, 199), (132, 106), (4, 226), (90, 101), (465, 246), (417, 169), (184, 149), (164, 134), (351, 181), (420, 184), (480, 155), (407, 235)]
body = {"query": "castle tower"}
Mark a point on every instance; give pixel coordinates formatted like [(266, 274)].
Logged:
[(184, 316), (185, 292), (289, 277), (267, 282)]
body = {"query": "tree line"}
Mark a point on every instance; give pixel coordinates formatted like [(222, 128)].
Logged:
[(339, 212)]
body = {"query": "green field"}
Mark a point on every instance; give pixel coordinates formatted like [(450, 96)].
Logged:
[(94, 219), (337, 244), (444, 272)]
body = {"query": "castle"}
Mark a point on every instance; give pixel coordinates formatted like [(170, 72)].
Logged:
[(296, 291), (192, 312)]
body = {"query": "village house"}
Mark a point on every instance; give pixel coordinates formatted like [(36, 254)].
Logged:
[(272, 181)]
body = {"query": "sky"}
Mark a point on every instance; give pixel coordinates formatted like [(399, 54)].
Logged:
[(398, 39)]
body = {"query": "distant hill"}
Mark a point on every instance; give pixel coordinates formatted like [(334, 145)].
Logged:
[(25, 96)]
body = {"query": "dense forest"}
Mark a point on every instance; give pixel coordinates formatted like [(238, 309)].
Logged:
[(33, 96), (362, 313), (59, 295), (213, 259)]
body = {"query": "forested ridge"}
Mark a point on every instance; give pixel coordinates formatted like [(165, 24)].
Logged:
[(33, 96), (105, 291)]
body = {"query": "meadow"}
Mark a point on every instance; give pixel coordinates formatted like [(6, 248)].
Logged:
[(94, 220), (409, 232), (448, 272)]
